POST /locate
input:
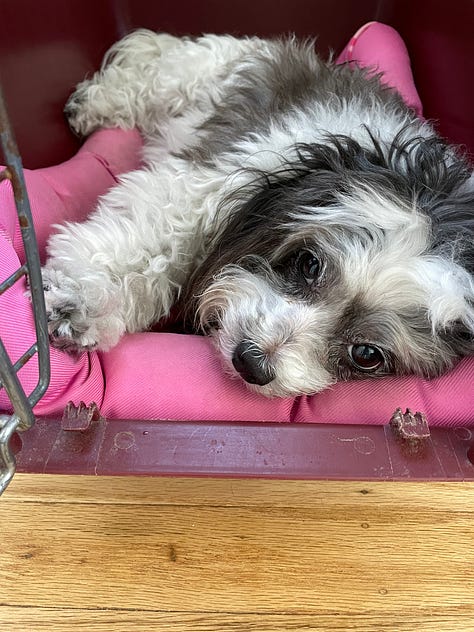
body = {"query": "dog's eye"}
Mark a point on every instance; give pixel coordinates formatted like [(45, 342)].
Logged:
[(309, 266), (366, 357)]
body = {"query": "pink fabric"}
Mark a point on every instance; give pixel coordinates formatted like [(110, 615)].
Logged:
[(379, 48), (65, 192), (171, 376)]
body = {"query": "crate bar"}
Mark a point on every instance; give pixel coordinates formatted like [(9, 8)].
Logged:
[(13, 278), (11, 383), (23, 360), (8, 425), (15, 171), (23, 417)]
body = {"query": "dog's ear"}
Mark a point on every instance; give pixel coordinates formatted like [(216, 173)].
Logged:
[(259, 214), (258, 217), (254, 226)]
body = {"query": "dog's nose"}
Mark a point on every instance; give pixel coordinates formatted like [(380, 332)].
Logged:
[(249, 361)]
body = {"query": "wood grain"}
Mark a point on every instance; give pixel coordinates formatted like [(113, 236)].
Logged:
[(113, 554), (48, 619), (452, 496)]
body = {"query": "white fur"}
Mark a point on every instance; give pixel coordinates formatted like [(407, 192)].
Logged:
[(124, 267), (282, 329)]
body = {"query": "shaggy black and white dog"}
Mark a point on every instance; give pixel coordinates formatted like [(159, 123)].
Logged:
[(303, 215)]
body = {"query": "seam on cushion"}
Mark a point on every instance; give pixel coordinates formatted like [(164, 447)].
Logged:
[(294, 409), (105, 164)]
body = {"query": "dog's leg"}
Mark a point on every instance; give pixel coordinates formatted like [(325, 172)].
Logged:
[(148, 77), (122, 269)]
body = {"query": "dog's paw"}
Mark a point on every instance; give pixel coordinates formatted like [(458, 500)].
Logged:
[(80, 116), (69, 327)]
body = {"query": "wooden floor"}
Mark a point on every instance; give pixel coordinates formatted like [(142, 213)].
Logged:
[(197, 555)]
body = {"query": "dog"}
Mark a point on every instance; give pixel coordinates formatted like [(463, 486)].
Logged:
[(295, 211)]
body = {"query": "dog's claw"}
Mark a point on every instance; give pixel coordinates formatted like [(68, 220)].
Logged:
[(67, 323)]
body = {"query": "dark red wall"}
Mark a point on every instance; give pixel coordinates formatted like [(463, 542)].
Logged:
[(46, 47)]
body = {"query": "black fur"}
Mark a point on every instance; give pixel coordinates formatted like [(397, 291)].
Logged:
[(422, 172)]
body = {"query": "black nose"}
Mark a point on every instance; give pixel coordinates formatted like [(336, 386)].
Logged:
[(249, 361)]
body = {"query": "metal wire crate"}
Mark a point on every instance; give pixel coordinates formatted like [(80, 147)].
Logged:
[(22, 403), (83, 442)]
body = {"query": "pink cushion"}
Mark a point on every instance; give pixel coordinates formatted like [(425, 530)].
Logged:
[(65, 192), (162, 375), (380, 49), (171, 376)]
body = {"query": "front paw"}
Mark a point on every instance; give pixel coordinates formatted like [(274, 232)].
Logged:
[(80, 116), (70, 328)]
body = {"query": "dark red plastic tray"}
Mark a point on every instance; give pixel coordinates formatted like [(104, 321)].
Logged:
[(268, 450)]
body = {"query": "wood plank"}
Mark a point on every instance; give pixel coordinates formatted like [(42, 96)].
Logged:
[(337, 559), (446, 496), (205, 555), (52, 620)]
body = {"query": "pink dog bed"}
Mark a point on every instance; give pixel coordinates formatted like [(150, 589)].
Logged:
[(173, 376)]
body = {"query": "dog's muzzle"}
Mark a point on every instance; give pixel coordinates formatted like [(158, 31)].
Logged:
[(251, 364)]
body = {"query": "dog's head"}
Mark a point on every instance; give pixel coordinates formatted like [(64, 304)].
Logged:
[(346, 264)]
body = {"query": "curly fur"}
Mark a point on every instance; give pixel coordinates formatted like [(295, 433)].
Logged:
[(261, 161)]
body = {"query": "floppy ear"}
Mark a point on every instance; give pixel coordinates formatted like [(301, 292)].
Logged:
[(254, 227), (259, 214)]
